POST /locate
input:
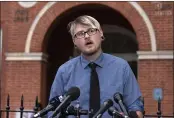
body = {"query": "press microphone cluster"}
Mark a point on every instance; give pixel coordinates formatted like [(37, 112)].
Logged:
[(118, 98), (59, 102), (112, 111), (62, 104)]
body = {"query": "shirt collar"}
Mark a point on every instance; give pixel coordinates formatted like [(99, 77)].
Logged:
[(99, 61)]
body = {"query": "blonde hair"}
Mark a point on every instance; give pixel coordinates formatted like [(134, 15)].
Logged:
[(84, 20)]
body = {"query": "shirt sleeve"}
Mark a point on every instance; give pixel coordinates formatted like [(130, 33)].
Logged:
[(137, 105), (57, 87), (131, 91)]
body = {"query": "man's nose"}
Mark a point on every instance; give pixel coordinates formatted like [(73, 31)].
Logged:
[(86, 35)]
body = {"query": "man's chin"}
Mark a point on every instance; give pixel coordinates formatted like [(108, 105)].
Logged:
[(89, 53)]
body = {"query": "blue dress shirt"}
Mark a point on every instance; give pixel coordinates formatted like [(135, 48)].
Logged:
[(114, 73)]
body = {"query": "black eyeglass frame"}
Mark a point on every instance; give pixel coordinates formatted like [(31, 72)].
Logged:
[(84, 33)]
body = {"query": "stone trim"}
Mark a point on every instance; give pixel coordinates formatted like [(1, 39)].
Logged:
[(19, 56), (140, 55), (155, 55), (148, 23)]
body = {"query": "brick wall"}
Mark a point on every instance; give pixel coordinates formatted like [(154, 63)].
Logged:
[(18, 29), (161, 16), (23, 77), (156, 74)]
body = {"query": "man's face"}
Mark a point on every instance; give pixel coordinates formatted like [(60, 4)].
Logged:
[(87, 39)]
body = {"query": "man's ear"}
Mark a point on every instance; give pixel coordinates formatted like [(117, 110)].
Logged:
[(101, 34), (74, 42), (103, 38)]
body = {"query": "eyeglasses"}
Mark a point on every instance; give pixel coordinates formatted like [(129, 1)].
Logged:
[(81, 34)]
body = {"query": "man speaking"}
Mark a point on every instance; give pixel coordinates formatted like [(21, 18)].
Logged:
[(98, 75)]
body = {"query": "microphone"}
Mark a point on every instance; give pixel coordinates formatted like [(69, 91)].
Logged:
[(118, 99), (133, 114), (113, 112), (71, 110), (108, 103), (53, 103), (72, 94)]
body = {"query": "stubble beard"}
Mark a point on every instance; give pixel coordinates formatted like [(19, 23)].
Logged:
[(90, 53)]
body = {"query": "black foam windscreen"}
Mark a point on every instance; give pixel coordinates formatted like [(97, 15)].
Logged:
[(133, 114), (117, 97), (74, 92)]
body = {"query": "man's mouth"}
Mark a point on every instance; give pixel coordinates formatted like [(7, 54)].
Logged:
[(88, 43)]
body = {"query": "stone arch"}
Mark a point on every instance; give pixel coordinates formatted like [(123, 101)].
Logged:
[(41, 25), (141, 24)]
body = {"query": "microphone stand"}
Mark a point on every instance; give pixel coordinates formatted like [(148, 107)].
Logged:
[(71, 110), (62, 114), (114, 116), (77, 110)]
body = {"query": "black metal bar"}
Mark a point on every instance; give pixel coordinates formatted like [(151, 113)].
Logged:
[(21, 109), (0, 113), (36, 107), (8, 106), (142, 99), (1, 59), (159, 113), (22, 106), (173, 61)]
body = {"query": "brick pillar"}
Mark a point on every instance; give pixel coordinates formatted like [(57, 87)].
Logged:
[(156, 74), (27, 78)]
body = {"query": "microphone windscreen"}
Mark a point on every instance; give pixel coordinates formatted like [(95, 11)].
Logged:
[(70, 110), (111, 110), (118, 97), (74, 92), (55, 101), (108, 102), (133, 114)]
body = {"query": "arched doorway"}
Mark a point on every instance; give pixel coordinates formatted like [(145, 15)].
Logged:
[(120, 38)]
